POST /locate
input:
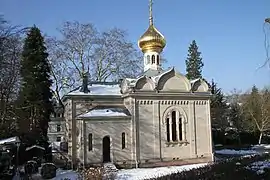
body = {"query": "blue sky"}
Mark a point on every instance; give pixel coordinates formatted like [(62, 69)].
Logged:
[(229, 33)]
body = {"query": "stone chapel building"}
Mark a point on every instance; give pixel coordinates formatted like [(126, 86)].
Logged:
[(157, 118)]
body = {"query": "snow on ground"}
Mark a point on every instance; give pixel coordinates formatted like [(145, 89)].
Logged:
[(235, 152), (55, 146), (66, 174), (261, 146), (259, 166), (146, 173)]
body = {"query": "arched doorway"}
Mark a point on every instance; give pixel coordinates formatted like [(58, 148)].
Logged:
[(106, 149)]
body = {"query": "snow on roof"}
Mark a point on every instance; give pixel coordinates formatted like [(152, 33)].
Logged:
[(106, 111), (131, 81), (99, 88), (10, 140), (151, 72), (194, 80), (35, 146), (156, 78)]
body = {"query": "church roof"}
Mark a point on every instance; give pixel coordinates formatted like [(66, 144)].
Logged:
[(152, 72), (99, 88), (10, 140), (106, 111)]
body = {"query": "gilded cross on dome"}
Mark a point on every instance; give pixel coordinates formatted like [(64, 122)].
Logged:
[(151, 12)]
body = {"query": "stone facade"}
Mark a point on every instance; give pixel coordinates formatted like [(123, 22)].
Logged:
[(57, 126), (167, 118)]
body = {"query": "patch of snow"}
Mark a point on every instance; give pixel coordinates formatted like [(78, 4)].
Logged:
[(55, 146), (131, 81), (104, 112), (10, 140), (34, 146), (194, 80), (235, 152), (66, 174), (259, 166), (99, 89), (156, 78), (261, 146), (218, 145), (147, 173)]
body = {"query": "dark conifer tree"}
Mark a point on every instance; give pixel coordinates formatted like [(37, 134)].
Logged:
[(194, 63), (35, 97), (219, 107)]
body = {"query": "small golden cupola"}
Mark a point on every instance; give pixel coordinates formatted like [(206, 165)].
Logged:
[(152, 43)]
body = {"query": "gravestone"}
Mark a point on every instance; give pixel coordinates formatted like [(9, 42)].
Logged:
[(38, 160), (48, 171), (35, 165), (29, 168)]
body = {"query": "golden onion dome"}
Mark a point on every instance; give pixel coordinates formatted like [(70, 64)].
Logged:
[(152, 40)]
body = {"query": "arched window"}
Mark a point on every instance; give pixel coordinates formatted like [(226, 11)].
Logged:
[(157, 59), (174, 138), (123, 140), (168, 129), (148, 59), (180, 129), (174, 127), (153, 59), (90, 144)]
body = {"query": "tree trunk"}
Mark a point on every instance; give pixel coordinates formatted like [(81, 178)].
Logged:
[(260, 138)]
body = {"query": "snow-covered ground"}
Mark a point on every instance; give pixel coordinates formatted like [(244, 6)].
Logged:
[(261, 146), (133, 174), (256, 149), (259, 166), (146, 173), (236, 152), (66, 174)]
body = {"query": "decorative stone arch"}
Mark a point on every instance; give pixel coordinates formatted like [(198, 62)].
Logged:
[(174, 122), (174, 108), (182, 85), (200, 86), (144, 83), (124, 86)]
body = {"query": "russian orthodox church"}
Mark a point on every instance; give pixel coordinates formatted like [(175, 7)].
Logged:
[(155, 119)]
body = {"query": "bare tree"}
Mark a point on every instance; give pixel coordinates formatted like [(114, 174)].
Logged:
[(10, 51), (81, 48), (257, 109)]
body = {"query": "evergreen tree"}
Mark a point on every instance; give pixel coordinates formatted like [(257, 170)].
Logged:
[(218, 108), (235, 112), (35, 94), (194, 63), (236, 116), (253, 105)]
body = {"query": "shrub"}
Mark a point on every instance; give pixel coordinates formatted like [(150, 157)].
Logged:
[(92, 174), (225, 170)]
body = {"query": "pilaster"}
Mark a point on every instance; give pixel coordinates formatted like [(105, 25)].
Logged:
[(192, 129)]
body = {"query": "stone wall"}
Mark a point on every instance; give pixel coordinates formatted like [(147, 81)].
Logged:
[(52, 130), (114, 129), (203, 128)]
